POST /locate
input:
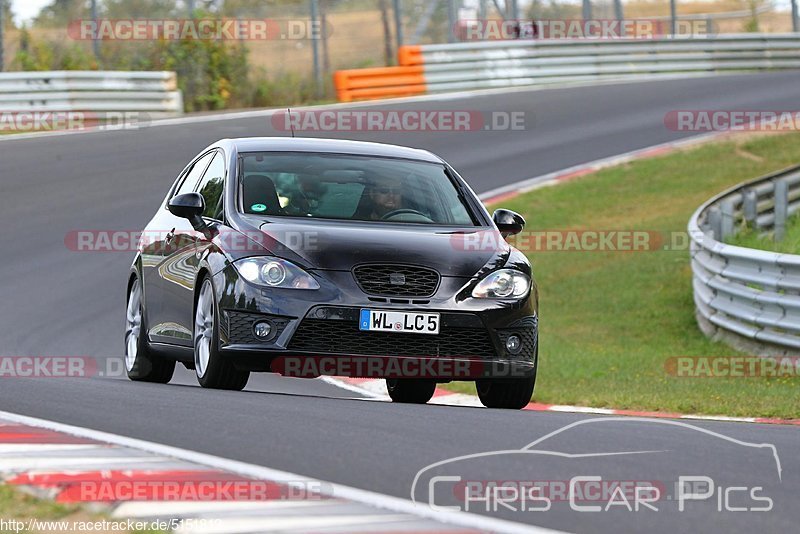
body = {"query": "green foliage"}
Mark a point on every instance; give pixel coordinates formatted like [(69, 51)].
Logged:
[(285, 89), (751, 238), (43, 55), (211, 74), (751, 26), (61, 12), (127, 9)]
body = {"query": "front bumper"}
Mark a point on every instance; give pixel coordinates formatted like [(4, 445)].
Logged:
[(319, 329)]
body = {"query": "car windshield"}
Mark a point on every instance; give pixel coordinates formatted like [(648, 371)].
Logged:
[(357, 188)]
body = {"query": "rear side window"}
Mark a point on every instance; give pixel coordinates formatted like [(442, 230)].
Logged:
[(211, 187), (194, 174)]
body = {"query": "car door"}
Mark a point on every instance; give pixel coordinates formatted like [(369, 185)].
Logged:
[(181, 299), (171, 276)]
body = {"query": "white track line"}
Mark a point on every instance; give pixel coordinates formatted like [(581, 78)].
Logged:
[(339, 491), (355, 388)]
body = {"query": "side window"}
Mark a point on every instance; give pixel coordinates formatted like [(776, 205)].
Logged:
[(194, 174), (211, 187)]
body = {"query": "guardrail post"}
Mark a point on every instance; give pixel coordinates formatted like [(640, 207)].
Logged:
[(2, 26), (398, 23), (795, 22), (587, 9), (95, 41), (315, 47), (673, 16), (750, 207), (715, 222), (726, 228), (781, 207), (452, 20), (619, 14)]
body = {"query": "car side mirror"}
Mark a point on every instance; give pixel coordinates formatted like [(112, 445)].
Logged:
[(189, 206), (508, 222)]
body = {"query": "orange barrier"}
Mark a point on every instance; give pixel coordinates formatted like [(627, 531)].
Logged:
[(409, 55), (381, 82)]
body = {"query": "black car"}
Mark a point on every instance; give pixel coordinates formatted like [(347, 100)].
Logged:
[(311, 257)]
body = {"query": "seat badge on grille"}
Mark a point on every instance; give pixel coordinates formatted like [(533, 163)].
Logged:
[(397, 279)]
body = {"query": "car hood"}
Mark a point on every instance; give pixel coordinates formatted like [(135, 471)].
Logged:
[(341, 246)]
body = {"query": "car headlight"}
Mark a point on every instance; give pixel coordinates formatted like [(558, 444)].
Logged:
[(503, 284), (275, 272)]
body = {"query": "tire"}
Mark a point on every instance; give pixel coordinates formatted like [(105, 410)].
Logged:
[(211, 368), (508, 393), (140, 362), (410, 390)]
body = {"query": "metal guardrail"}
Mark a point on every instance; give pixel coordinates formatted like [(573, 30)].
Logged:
[(491, 64), (155, 93), (741, 292)]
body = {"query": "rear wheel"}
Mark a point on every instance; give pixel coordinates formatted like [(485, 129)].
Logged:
[(410, 390), (140, 363), (212, 369)]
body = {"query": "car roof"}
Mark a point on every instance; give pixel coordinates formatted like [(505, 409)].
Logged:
[(335, 146)]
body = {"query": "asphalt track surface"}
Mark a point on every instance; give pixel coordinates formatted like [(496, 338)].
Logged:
[(59, 302)]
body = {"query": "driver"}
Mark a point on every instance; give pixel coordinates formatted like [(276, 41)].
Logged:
[(386, 195)]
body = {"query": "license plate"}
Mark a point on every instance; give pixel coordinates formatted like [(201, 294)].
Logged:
[(399, 322)]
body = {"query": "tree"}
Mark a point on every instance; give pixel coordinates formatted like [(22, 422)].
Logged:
[(8, 15), (61, 12), (142, 9)]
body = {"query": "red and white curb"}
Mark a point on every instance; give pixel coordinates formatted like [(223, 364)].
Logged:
[(375, 389), (507, 192), (200, 493)]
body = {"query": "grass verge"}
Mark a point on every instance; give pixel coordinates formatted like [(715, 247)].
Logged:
[(751, 238), (45, 516), (610, 321)]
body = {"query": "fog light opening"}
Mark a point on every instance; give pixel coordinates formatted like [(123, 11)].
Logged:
[(262, 330), (513, 344)]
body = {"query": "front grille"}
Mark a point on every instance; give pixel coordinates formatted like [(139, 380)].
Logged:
[(344, 337), (397, 280), (240, 327)]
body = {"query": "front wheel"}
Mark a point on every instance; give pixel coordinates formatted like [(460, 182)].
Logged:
[(212, 369), (509, 393), (140, 363), (410, 390)]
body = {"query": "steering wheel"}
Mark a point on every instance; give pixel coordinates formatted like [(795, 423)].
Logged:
[(403, 211)]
